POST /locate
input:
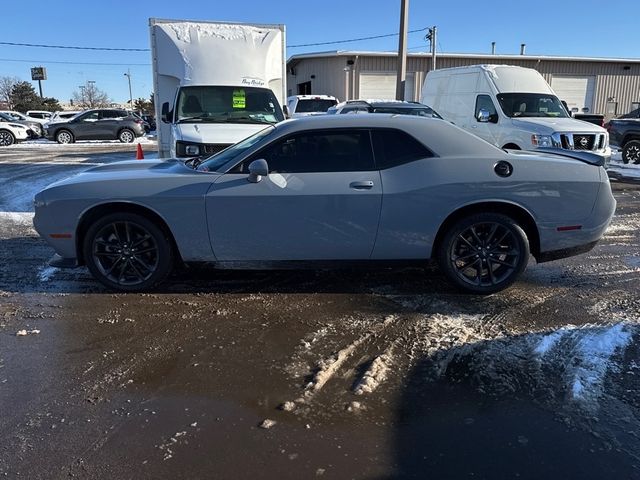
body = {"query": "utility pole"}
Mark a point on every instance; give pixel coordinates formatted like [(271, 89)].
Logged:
[(128, 75), (402, 50), (432, 36), (82, 87)]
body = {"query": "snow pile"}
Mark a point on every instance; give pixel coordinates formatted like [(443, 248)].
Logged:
[(375, 374), (46, 272), (21, 218), (619, 168)]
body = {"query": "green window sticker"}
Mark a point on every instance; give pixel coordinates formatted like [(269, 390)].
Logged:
[(239, 99)]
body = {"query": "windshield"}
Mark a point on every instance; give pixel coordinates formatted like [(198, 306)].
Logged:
[(314, 105), (531, 105), (216, 104), (215, 162)]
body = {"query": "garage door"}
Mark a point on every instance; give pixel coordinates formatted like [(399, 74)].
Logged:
[(576, 91), (383, 86)]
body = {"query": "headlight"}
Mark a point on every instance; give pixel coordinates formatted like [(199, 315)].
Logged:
[(188, 149), (192, 150), (542, 141)]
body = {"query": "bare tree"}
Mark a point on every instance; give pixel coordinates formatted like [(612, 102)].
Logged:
[(90, 96), (6, 87)]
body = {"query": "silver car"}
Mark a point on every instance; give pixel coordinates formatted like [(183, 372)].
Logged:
[(326, 190)]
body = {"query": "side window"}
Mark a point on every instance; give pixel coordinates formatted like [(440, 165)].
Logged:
[(394, 147), (91, 117), (323, 151), (484, 102)]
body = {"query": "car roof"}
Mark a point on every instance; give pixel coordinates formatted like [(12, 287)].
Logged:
[(442, 137)]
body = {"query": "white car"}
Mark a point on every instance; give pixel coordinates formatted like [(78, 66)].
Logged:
[(40, 114), (23, 117), (62, 116), (11, 133), (305, 105)]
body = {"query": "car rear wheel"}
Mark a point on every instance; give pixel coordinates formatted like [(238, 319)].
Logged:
[(64, 136), (631, 152), (127, 252), (126, 136), (6, 138), (484, 253)]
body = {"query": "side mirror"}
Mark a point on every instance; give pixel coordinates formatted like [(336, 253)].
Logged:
[(166, 114), (258, 169), (483, 116)]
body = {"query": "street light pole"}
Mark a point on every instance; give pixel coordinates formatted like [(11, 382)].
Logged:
[(128, 75)]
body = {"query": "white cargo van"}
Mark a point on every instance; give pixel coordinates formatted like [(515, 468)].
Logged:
[(510, 107), (215, 83)]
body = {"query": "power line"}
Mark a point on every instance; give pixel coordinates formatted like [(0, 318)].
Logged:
[(107, 49), (74, 63), (353, 39), (14, 44)]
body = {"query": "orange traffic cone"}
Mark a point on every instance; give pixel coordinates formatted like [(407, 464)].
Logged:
[(139, 153)]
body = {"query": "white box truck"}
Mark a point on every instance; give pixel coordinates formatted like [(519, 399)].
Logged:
[(215, 83), (510, 107)]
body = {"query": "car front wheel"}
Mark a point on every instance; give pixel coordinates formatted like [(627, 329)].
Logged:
[(631, 152), (127, 252), (6, 138), (126, 136), (484, 253), (64, 136)]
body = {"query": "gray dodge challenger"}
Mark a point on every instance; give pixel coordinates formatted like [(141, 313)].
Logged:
[(331, 190)]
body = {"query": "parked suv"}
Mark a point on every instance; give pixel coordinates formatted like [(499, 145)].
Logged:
[(625, 135), (384, 106), (34, 129), (11, 133), (39, 114), (97, 124)]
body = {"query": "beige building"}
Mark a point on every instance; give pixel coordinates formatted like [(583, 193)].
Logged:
[(609, 86)]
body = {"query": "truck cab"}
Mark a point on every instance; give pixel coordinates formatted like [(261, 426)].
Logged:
[(215, 83)]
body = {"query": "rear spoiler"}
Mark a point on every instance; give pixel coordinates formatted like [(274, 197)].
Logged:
[(582, 155)]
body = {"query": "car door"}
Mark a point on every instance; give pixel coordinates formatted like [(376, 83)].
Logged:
[(84, 127), (109, 123), (320, 201), (485, 130)]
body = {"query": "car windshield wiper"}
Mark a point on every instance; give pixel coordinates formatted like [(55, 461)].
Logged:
[(196, 117)]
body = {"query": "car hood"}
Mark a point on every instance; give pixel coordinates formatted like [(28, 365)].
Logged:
[(546, 125), (135, 171), (226, 133)]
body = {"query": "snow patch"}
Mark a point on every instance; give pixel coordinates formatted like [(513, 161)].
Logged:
[(46, 273), (22, 218), (593, 356), (375, 374)]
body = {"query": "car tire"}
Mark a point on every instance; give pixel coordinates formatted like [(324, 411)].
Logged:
[(631, 152), (127, 252), (126, 136), (64, 137), (6, 138), (483, 253)]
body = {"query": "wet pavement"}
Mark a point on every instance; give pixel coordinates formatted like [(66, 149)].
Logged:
[(357, 374)]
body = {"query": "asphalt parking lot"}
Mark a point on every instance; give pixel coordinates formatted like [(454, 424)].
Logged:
[(328, 374)]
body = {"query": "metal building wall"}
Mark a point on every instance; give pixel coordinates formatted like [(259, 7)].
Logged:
[(617, 80), (329, 76)]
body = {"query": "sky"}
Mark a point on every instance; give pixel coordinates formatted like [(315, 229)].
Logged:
[(586, 28)]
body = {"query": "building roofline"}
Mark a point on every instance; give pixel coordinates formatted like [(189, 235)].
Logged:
[(487, 56)]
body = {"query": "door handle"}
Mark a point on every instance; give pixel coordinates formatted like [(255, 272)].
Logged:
[(366, 185)]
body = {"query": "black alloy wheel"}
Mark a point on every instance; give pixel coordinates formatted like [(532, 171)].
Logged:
[(6, 138), (484, 253), (127, 252), (631, 152)]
